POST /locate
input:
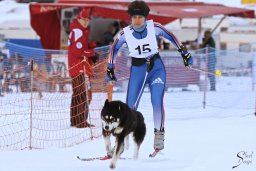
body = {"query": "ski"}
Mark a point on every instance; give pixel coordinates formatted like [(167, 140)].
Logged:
[(100, 158), (156, 151), (93, 158)]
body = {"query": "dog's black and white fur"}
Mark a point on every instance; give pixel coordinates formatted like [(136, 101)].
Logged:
[(119, 120)]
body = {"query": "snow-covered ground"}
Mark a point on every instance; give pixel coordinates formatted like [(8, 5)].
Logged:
[(15, 14), (216, 138), (191, 145)]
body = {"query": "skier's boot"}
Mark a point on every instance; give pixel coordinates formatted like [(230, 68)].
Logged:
[(159, 139)]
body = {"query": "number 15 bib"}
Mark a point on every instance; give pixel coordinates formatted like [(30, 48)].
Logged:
[(142, 48)]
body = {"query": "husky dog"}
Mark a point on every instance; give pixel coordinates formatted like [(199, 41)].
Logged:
[(119, 120)]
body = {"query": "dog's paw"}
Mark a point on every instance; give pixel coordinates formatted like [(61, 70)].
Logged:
[(112, 166)]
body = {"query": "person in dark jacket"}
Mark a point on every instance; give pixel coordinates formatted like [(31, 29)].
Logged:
[(1, 71), (209, 43), (108, 37), (81, 56)]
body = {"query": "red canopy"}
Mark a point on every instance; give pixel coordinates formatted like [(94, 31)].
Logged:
[(45, 17)]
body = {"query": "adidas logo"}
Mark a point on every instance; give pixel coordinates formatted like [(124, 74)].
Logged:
[(157, 81)]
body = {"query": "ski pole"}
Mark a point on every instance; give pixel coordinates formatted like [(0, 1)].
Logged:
[(141, 90), (217, 72)]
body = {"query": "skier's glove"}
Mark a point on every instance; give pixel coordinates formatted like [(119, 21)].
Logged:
[(187, 59), (110, 75), (186, 56)]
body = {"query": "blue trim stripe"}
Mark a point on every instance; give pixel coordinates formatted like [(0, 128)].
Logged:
[(111, 54), (170, 34)]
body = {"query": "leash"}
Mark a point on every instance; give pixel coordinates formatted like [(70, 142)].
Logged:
[(110, 89)]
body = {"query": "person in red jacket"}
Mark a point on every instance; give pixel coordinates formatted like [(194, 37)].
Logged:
[(81, 56)]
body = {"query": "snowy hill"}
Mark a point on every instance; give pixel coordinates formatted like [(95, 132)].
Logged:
[(15, 14), (15, 20)]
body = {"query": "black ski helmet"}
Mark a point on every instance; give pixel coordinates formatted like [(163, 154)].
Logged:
[(138, 8)]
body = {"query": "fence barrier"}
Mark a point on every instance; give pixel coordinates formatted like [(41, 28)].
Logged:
[(35, 99)]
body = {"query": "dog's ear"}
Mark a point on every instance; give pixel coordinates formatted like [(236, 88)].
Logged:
[(106, 102)]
